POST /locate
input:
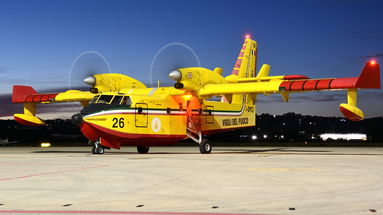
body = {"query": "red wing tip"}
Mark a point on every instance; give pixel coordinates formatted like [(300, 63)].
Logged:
[(20, 92), (373, 62)]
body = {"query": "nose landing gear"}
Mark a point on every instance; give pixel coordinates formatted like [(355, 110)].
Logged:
[(97, 148)]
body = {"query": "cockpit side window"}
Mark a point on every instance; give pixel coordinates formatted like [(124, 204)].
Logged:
[(104, 99), (126, 101), (94, 100), (116, 100)]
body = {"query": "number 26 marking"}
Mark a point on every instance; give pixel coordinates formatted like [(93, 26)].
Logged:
[(118, 123)]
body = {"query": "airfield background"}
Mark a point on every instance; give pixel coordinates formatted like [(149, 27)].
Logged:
[(289, 129)]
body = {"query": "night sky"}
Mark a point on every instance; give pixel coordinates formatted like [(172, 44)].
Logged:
[(39, 40)]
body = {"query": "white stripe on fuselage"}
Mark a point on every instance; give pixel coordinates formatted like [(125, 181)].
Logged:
[(172, 112)]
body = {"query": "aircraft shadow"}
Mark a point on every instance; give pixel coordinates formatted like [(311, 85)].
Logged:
[(53, 152), (276, 151)]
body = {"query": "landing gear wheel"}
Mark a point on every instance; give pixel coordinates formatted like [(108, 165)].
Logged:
[(100, 150), (97, 148), (94, 150), (205, 147), (143, 149)]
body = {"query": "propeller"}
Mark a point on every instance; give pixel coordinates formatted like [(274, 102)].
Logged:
[(84, 67), (169, 58)]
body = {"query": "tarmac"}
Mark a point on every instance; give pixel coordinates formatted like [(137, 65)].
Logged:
[(180, 180)]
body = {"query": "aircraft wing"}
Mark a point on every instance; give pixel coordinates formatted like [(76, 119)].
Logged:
[(26, 94), (109, 82), (29, 97), (368, 78)]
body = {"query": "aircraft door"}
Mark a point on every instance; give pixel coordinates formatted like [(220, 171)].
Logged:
[(209, 115), (141, 115)]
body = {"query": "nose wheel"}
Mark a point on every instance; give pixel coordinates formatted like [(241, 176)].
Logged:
[(97, 148)]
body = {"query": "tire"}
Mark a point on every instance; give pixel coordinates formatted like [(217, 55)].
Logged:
[(97, 150), (205, 147), (100, 150), (142, 149), (94, 150)]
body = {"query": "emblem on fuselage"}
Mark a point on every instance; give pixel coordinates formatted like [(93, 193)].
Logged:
[(190, 75), (156, 124)]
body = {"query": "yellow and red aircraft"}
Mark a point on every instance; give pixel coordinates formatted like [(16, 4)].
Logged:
[(121, 111)]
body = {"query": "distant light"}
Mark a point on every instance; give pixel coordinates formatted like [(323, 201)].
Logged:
[(351, 136), (265, 136), (45, 145), (282, 136), (254, 137), (372, 62), (247, 36)]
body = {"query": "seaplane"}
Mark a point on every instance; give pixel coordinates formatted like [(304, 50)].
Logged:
[(119, 110)]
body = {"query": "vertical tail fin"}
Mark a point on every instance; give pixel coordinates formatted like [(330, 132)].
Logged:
[(246, 64), (247, 60)]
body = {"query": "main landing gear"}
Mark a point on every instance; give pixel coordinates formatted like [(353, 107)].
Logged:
[(196, 135), (142, 149), (97, 148), (205, 147)]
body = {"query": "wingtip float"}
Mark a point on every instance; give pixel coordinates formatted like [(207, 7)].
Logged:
[(120, 110)]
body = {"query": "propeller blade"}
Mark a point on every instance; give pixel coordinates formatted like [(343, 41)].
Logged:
[(169, 58), (84, 67)]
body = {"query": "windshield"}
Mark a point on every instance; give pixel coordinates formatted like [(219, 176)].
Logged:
[(94, 100), (126, 101), (110, 99), (116, 100), (104, 99)]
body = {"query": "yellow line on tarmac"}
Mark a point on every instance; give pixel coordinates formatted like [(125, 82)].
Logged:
[(284, 170)]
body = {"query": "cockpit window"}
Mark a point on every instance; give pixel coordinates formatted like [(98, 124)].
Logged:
[(94, 100), (126, 101), (104, 99), (116, 100), (110, 99)]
